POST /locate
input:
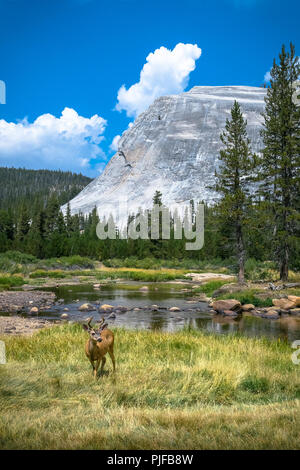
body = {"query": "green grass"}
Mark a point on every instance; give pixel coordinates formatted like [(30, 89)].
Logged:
[(209, 287), (248, 296), (11, 281), (215, 265), (56, 274), (186, 390), (140, 275), (16, 262)]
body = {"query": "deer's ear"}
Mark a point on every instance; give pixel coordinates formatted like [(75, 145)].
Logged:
[(85, 327)]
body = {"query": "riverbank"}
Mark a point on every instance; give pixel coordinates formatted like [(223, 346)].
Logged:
[(185, 390), (20, 326)]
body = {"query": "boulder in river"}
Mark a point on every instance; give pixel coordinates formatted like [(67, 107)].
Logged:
[(230, 313), (270, 313), (174, 309), (284, 304), (248, 307), (33, 311), (230, 304), (295, 299), (86, 307), (295, 312)]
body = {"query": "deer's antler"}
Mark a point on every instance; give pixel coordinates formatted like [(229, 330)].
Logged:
[(102, 325), (88, 321)]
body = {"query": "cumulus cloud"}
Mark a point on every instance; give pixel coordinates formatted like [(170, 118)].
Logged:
[(165, 72), (69, 142), (114, 145), (267, 77)]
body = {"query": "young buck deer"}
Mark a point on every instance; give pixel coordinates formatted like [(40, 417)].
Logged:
[(100, 342)]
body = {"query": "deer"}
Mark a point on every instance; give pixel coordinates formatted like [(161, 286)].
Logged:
[(100, 342)]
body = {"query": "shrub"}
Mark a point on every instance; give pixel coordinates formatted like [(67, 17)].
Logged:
[(248, 296), (260, 270), (146, 276), (56, 274), (209, 287), (11, 281), (18, 257)]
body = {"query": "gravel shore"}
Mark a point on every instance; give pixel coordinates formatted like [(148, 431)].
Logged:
[(15, 325)]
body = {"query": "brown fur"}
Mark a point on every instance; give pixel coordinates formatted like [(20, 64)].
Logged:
[(95, 350)]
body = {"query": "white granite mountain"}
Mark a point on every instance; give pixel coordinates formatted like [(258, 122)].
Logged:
[(172, 147)]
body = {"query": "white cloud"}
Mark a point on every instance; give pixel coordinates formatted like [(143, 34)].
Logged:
[(114, 145), (165, 72), (69, 142), (267, 77)]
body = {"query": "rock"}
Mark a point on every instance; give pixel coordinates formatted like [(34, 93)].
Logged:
[(284, 304), (144, 289), (97, 286), (228, 289), (203, 298), (86, 307), (172, 150), (295, 299), (136, 309), (64, 315), (122, 309), (271, 314), (34, 311), (66, 309), (230, 313), (229, 304), (248, 307), (106, 307), (174, 309), (16, 308), (154, 306), (295, 312), (205, 277)]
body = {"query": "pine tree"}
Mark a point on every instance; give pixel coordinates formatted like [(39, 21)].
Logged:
[(279, 167), (232, 180)]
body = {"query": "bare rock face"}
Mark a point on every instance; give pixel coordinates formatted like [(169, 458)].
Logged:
[(172, 147)]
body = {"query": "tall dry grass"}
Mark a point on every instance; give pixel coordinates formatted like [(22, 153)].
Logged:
[(185, 390)]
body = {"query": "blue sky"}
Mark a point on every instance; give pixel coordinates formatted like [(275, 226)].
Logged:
[(73, 56)]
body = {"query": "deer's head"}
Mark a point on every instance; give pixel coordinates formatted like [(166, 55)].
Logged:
[(94, 331)]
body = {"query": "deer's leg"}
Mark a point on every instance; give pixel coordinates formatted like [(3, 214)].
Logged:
[(93, 367), (96, 368), (102, 364), (111, 353)]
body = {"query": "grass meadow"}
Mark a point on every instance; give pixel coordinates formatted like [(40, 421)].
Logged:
[(183, 390)]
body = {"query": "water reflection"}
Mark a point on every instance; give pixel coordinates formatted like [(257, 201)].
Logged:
[(192, 315)]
